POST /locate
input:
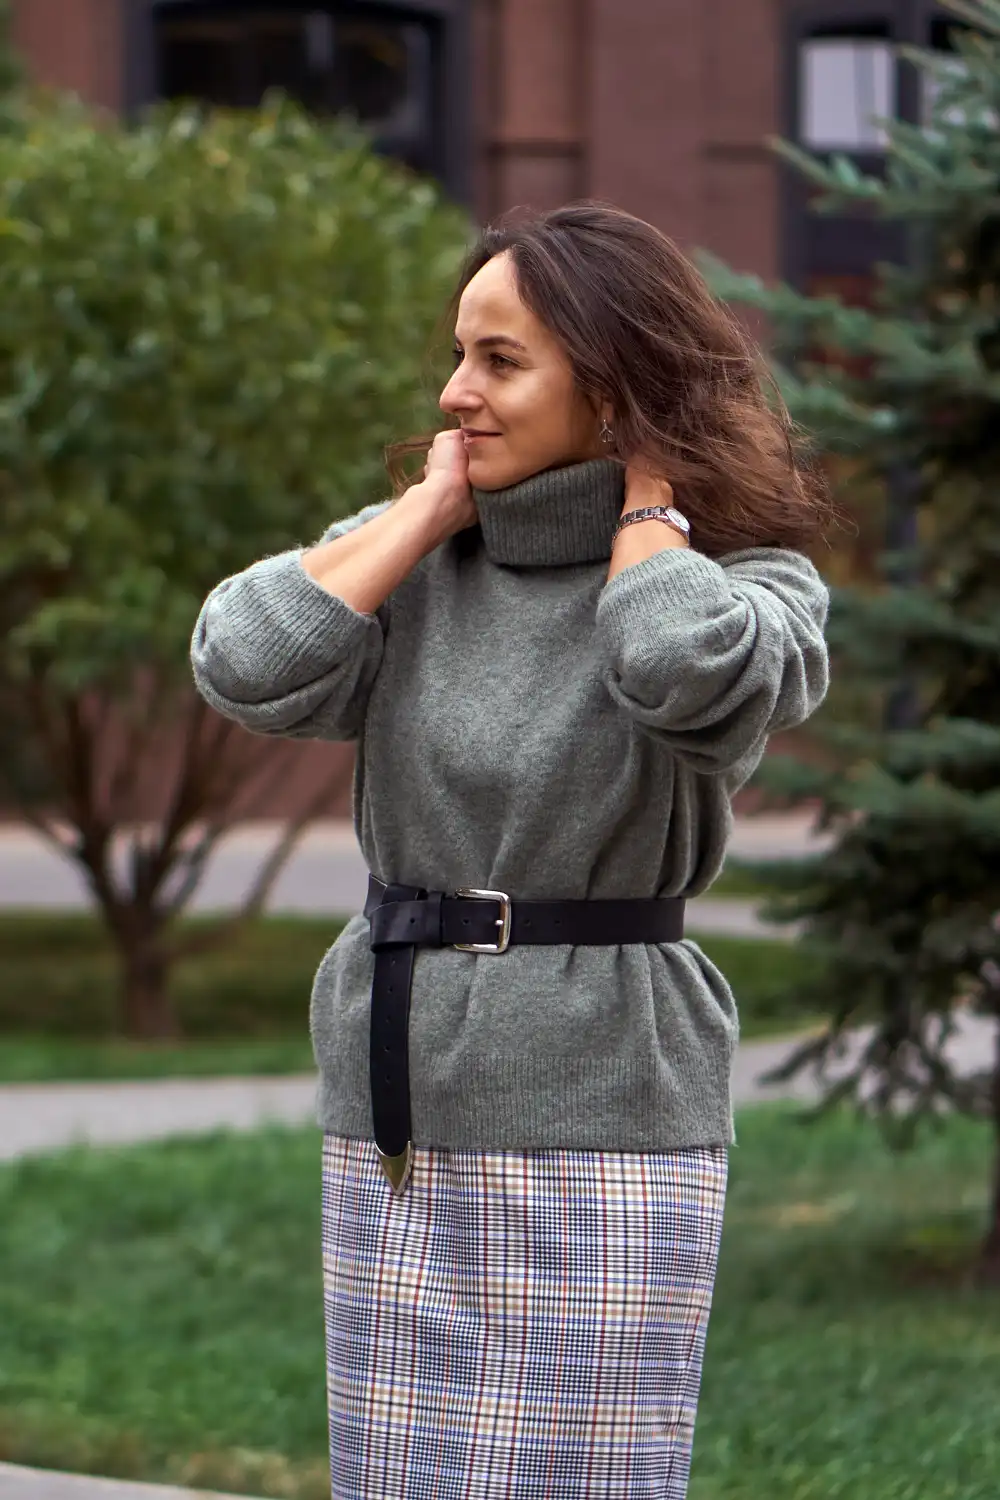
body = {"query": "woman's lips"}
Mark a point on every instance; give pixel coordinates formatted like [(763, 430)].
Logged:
[(476, 437)]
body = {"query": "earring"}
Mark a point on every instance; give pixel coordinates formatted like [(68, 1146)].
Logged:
[(607, 436)]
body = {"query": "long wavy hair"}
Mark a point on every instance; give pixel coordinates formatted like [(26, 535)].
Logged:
[(642, 331)]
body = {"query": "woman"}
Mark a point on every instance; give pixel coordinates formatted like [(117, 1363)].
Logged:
[(524, 1066)]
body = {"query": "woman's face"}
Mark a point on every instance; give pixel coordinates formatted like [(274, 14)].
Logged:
[(513, 390)]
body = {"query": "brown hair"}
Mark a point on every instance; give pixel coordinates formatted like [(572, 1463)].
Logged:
[(643, 332)]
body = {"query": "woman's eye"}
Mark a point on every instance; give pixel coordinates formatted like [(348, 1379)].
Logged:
[(497, 361)]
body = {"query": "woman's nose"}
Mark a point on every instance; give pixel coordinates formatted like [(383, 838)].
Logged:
[(456, 395)]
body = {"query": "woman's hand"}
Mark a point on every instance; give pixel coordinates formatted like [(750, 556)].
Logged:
[(445, 490), (642, 489), (643, 539)]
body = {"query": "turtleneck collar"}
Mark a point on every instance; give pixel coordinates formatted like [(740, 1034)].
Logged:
[(560, 516)]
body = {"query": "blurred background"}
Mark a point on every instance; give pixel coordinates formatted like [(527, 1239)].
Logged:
[(227, 233), (662, 106)]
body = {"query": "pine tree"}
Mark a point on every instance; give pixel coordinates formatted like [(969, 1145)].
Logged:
[(905, 905)]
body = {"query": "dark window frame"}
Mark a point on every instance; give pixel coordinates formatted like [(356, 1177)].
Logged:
[(901, 20), (452, 156)]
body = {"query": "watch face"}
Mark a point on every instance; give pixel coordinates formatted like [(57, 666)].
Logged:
[(678, 519)]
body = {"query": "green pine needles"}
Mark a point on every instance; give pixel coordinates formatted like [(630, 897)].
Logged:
[(905, 906)]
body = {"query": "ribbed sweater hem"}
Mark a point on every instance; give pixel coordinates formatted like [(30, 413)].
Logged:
[(538, 1103)]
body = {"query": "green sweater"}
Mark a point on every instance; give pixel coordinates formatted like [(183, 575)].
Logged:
[(524, 725)]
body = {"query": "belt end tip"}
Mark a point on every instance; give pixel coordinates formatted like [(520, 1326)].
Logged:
[(397, 1168)]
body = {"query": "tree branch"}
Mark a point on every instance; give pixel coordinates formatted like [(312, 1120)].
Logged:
[(194, 943)]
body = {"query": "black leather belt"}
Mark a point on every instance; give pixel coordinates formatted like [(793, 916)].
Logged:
[(405, 917)]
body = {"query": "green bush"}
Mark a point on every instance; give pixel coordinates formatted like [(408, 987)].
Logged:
[(212, 326)]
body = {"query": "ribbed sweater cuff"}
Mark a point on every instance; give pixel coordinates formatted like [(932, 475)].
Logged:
[(284, 621)]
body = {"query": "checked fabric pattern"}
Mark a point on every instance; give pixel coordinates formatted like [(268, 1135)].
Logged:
[(517, 1324)]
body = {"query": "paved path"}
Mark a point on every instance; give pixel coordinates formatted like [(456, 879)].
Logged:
[(42, 1117), (326, 873), (17, 1483)]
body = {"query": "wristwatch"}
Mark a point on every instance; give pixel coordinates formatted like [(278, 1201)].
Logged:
[(666, 513)]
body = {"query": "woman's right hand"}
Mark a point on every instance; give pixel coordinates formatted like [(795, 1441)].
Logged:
[(445, 488)]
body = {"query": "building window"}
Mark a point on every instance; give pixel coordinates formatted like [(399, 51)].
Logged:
[(377, 71), (844, 83)]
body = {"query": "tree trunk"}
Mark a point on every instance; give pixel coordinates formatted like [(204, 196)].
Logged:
[(989, 1260), (988, 1271), (147, 1009)]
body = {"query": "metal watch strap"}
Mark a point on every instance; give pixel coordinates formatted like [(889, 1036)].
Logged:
[(663, 513)]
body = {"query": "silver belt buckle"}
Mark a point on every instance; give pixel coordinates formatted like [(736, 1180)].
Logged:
[(503, 921)]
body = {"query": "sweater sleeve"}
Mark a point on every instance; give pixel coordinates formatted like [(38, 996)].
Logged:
[(710, 657), (275, 651)]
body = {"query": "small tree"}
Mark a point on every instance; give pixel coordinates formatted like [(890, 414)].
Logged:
[(904, 904), (212, 326)]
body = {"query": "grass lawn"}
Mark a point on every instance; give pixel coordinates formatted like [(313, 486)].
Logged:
[(737, 879), (40, 1059), (160, 1317), (245, 1008)]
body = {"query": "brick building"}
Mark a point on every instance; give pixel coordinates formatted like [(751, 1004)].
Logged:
[(662, 106)]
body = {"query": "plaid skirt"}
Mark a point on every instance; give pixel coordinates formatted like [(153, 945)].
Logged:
[(517, 1324)]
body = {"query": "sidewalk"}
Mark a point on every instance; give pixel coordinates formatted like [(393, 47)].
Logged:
[(43, 1117), (326, 872), (17, 1483)]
